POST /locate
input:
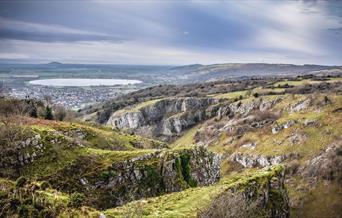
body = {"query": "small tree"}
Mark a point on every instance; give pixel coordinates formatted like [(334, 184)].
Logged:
[(256, 95), (48, 113), (59, 112)]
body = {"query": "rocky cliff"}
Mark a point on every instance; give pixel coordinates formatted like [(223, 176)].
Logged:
[(168, 118), (260, 193), (163, 118), (142, 175)]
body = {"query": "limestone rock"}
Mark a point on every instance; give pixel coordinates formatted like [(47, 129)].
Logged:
[(164, 118), (252, 160), (302, 105)]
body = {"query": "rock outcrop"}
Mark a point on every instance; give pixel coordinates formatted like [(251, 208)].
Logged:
[(145, 175), (261, 104), (23, 152), (164, 118), (278, 127), (327, 165), (262, 193), (260, 196), (302, 105), (254, 160), (167, 118)]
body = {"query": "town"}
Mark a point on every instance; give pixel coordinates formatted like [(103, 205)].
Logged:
[(71, 97)]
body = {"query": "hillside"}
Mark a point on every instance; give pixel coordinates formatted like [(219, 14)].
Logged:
[(290, 122), (265, 148), (201, 73)]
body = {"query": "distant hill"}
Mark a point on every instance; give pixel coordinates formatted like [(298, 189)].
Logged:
[(55, 63), (199, 73)]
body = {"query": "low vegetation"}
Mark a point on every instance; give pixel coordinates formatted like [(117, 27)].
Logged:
[(264, 132)]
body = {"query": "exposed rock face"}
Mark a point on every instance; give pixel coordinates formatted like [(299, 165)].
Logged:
[(167, 118), (257, 104), (327, 165), (278, 127), (164, 118), (251, 160), (302, 105), (23, 152), (143, 176), (265, 196)]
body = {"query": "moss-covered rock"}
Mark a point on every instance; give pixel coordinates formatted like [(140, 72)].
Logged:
[(265, 187), (121, 177)]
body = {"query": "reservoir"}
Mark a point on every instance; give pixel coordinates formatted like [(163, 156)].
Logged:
[(83, 82)]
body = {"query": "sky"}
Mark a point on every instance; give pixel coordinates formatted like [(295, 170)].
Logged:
[(171, 32)]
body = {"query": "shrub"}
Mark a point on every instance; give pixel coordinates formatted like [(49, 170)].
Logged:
[(256, 95), (46, 213), (45, 185), (24, 211), (76, 199), (48, 113), (239, 104), (59, 112), (233, 205), (264, 115), (21, 181)]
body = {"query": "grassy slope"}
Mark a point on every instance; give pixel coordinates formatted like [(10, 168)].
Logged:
[(183, 204), (108, 145), (188, 203), (186, 139), (317, 136)]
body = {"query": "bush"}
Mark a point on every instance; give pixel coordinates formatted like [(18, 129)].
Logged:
[(48, 113), (59, 112), (46, 213), (76, 200), (233, 205), (45, 185), (256, 95), (24, 211), (265, 115), (21, 181)]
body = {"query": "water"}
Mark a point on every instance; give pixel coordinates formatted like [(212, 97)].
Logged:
[(83, 82)]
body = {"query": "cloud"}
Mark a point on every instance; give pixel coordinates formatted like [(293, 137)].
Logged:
[(132, 52), (14, 29), (13, 56), (36, 27), (172, 32)]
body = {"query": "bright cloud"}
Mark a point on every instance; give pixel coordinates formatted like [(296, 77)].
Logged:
[(171, 32)]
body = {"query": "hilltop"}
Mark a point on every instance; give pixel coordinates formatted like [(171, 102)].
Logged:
[(54, 63)]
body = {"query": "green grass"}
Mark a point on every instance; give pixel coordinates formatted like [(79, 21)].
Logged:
[(231, 95), (139, 106), (186, 139), (323, 200), (305, 81), (294, 83), (187, 203), (316, 137), (95, 136)]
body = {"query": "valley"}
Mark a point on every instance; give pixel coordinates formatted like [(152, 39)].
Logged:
[(263, 146)]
